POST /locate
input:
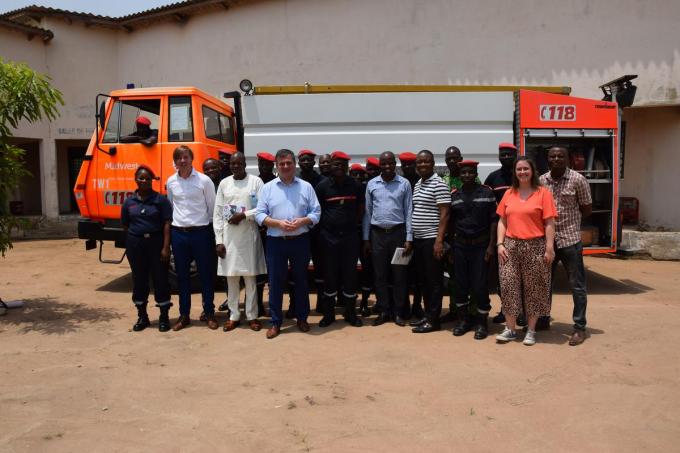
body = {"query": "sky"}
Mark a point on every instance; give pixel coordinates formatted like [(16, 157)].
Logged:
[(114, 9)]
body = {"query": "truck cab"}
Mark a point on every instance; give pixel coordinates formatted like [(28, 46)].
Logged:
[(177, 116)]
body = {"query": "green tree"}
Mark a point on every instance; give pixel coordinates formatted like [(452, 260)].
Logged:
[(25, 95)]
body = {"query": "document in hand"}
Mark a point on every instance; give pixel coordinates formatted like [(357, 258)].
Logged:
[(400, 258)]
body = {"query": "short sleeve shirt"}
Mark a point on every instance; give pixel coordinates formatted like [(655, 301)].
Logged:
[(570, 192), (427, 195), (145, 216), (524, 218)]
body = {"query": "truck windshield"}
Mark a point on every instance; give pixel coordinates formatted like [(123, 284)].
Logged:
[(124, 118)]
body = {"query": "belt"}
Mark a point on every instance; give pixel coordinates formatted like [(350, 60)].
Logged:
[(472, 241), (189, 229), (146, 235), (388, 229), (288, 238)]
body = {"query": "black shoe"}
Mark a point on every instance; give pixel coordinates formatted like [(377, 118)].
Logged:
[(326, 321), (499, 318), (482, 329), (543, 323), (398, 320), (425, 327), (449, 317), (381, 319), (462, 327), (142, 319), (417, 321), (521, 320), (164, 319), (354, 321), (224, 306)]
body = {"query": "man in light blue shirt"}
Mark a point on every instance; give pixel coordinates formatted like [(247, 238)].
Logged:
[(288, 207), (386, 226)]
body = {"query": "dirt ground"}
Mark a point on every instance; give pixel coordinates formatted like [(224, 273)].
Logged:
[(76, 378)]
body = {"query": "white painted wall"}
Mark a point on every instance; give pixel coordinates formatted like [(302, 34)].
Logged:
[(652, 143), (578, 43)]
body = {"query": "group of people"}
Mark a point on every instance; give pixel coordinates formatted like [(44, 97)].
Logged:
[(405, 230)]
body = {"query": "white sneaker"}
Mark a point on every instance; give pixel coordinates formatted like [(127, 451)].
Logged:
[(506, 336), (530, 338)]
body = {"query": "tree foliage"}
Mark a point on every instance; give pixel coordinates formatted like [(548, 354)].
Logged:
[(25, 95)]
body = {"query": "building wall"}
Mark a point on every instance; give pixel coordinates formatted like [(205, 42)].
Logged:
[(577, 43), (652, 139)]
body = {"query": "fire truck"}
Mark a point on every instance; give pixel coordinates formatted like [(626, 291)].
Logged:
[(360, 120)]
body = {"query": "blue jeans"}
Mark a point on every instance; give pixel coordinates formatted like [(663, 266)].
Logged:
[(197, 245), (572, 259), (279, 252)]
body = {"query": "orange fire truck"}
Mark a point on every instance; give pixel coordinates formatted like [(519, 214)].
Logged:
[(362, 120)]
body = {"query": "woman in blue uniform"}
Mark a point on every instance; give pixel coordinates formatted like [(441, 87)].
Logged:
[(146, 217)]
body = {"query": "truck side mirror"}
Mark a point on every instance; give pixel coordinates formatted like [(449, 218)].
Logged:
[(102, 113)]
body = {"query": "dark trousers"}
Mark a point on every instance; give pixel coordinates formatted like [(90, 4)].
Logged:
[(383, 244), (430, 272), (279, 252), (144, 256), (572, 259), (471, 273), (366, 270), (197, 245), (340, 253)]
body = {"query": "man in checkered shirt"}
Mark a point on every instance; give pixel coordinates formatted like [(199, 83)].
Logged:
[(573, 201)]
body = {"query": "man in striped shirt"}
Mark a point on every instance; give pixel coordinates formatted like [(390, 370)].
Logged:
[(429, 219)]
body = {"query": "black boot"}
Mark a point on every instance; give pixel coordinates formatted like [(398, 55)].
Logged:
[(464, 324), (164, 318), (142, 318), (351, 317), (327, 307), (365, 311), (482, 329)]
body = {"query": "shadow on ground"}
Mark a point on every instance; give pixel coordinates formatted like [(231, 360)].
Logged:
[(599, 284), (49, 316)]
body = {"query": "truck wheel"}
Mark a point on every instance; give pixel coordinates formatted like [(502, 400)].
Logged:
[(193, 272)]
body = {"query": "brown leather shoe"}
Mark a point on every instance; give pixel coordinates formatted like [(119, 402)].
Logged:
[(230, 325), (577, 338), (303, 326), (212, 322), (181, 323), (255, 325), (273, 332)]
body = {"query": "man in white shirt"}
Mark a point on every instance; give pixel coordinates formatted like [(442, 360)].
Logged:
[(192, 195)]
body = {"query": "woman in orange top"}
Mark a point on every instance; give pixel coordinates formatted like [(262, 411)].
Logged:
[(526, 233)]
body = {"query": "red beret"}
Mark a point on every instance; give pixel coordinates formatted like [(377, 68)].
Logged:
[(373, 161), (266, 156), (143, 120), (468, 163), (407, 157), (340, 155), (357, 167), (231, 152), (507, 145), (304, 152)]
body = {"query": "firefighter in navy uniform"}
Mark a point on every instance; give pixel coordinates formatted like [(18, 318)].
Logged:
[(472, 233), (341, 199)]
